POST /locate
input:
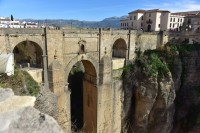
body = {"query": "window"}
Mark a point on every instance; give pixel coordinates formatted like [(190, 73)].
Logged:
[(173, 25), (174, 20), (82, 50), (149, 14), (189, 21), (130, 17), (134, 17), (159, 25), (178, 19), (141, 24), (170, 25), (132, 24), (142, 18), (170, 19), (181, 20), (127, 24)]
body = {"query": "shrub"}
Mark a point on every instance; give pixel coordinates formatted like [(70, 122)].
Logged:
[(21, 83)]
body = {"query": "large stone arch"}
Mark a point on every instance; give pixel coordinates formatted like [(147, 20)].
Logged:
[(28, 52), (119, 48), (78, 58), (89, 91), (125, 38), (15, 41)]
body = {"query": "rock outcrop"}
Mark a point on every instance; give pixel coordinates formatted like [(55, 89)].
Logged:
[(165, 103), (46, 102), (149, 101), (17, 115), (187, 116)]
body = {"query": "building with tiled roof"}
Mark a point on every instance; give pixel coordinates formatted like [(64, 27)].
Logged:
[(156, 20)]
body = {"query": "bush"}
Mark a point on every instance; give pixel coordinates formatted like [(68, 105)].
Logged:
[(21, 83), (153, 63)]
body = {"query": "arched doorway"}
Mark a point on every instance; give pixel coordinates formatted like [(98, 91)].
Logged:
[(119, 49), (149, 28), (82, 83), (28, 52)]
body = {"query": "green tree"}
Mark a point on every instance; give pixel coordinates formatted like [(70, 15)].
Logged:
[(11, 17)]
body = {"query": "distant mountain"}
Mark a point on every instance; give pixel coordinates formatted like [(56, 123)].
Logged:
[(112, 22)]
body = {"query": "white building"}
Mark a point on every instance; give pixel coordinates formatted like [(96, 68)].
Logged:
[(155, 20), (176, 21), (31, 25), (148, 20), (15, 24), (7, 23), (125, 24), (4, 22)]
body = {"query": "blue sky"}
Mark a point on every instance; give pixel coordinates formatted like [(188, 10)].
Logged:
[(87, 9)]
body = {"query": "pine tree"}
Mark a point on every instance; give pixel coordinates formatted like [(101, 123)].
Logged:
[(11, 17)]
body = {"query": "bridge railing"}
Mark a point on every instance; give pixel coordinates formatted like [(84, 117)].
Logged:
[(5, 31)]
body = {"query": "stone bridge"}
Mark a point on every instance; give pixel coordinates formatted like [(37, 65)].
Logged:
[(101, 53)]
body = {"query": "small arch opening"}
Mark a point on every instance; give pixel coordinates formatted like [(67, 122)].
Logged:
[(119, 49), (82, 48), (149, 28), (28, 52)]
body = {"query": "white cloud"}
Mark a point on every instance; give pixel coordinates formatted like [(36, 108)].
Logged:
[(184, 5)]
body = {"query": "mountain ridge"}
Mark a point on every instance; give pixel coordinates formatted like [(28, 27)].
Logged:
[(111, 22)]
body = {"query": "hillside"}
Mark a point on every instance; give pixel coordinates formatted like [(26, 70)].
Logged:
[(112, 22)]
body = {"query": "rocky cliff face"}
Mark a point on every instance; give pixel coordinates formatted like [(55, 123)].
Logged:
[(17, 115), (187, 116), (149, 106), (162, 91)]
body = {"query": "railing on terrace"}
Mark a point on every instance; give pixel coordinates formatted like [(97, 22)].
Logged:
[(21, 31)]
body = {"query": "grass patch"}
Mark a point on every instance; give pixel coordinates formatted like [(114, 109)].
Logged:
[(21, 83), (32, 86)]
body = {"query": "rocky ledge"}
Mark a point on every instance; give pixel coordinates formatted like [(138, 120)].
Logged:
[(17, 115)]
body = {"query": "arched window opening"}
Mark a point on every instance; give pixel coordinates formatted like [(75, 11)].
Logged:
[(28, 53), (119, 49), (149, 28), (82, 48)]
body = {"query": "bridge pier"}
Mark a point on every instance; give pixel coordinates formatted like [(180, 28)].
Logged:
[(61, 90)]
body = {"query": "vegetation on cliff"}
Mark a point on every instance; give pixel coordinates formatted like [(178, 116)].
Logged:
[(21, 83), (152, 67)]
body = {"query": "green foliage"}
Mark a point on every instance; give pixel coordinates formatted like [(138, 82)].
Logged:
[(152, 63), (31, 84), (128, 67), (157, 66), (184, 48), (173, 48), (14, 81), (20, 82)]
